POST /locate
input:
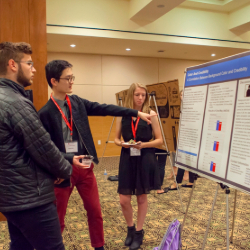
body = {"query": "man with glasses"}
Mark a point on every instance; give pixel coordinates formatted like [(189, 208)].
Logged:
[(30, 162), (66, 119)]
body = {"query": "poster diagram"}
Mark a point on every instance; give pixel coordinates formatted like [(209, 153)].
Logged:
[(214, 131), (217, 125)]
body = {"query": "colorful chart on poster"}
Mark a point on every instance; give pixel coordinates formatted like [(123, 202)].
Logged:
[(214, 132)]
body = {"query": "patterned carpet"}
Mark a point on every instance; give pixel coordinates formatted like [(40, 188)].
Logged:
[(161, 211)]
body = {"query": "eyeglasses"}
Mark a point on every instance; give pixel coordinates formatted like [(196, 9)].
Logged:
[(30, 63), (70, 79)]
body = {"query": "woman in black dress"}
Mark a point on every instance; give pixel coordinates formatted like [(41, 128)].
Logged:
[(138, 171)]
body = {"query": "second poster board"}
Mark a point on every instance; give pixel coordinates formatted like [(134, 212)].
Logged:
[(168, 102)]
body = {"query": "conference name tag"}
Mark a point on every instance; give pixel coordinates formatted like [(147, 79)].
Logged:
[(71, 147), (135, 152)]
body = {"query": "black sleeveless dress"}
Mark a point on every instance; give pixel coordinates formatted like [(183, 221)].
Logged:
[(137, 174)]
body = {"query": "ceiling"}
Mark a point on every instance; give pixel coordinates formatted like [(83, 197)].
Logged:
[(94, 44), (113, 46), (215, 5)]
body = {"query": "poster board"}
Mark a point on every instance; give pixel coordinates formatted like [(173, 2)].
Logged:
[(168, 102), (214, 132), (121, 95)]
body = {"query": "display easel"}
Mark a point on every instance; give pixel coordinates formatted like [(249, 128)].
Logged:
[(152, 95), (227, 192), (165, 144), (107, 141), (235, 198), (189, 201)]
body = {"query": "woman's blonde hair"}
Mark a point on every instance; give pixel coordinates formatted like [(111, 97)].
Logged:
[(129, 101)]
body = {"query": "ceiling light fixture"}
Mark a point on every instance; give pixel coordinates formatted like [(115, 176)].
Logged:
[(213, 55), (160, 6), (128, 49), (72, 45)]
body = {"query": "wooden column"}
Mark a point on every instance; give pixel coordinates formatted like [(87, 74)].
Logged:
[(2, 218), (25, 21)]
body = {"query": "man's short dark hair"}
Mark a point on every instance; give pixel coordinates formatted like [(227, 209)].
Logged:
[(55, 68), (13, 51)]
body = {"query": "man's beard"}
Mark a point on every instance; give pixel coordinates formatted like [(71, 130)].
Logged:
[(21, 79)]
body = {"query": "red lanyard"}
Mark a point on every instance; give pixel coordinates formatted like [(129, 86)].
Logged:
[(134, 128), (70, 126)]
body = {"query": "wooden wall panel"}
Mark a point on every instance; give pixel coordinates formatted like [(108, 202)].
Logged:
[(2, 218), (96, 130), (14, 20), (38, 41), (100, 127), (112, 149), (25, 21)]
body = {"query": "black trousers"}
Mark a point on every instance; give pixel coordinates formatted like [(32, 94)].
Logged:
[(37, 228), (161, 161), (180, 175)]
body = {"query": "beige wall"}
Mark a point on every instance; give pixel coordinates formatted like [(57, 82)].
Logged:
[(99, 77)]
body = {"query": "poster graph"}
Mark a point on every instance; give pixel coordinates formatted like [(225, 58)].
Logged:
[(214, 132)]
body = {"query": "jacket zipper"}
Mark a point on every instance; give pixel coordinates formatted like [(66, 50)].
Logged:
[(70, 182), (38, 188), (82, 143), (80, 136), (72, 170)]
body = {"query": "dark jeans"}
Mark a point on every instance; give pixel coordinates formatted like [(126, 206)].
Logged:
[(161, 161), (37, 228), (180, 175)]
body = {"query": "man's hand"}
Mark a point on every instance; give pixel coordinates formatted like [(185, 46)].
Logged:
[(77, 163), (146, 117), (58, 181)]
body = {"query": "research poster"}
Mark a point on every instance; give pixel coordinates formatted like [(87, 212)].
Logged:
[(214, 130)]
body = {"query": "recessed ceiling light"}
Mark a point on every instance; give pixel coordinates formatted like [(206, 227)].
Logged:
[(160, 6), (213, 55), (72, 45), (128, 49)]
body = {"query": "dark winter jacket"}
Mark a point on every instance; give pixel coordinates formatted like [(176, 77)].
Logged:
[(81, 109), (29, 160)]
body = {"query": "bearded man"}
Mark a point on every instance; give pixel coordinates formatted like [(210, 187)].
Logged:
[(29, 161)]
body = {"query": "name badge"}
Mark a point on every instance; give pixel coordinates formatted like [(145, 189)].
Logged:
[(71, 147), (135, 152)]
